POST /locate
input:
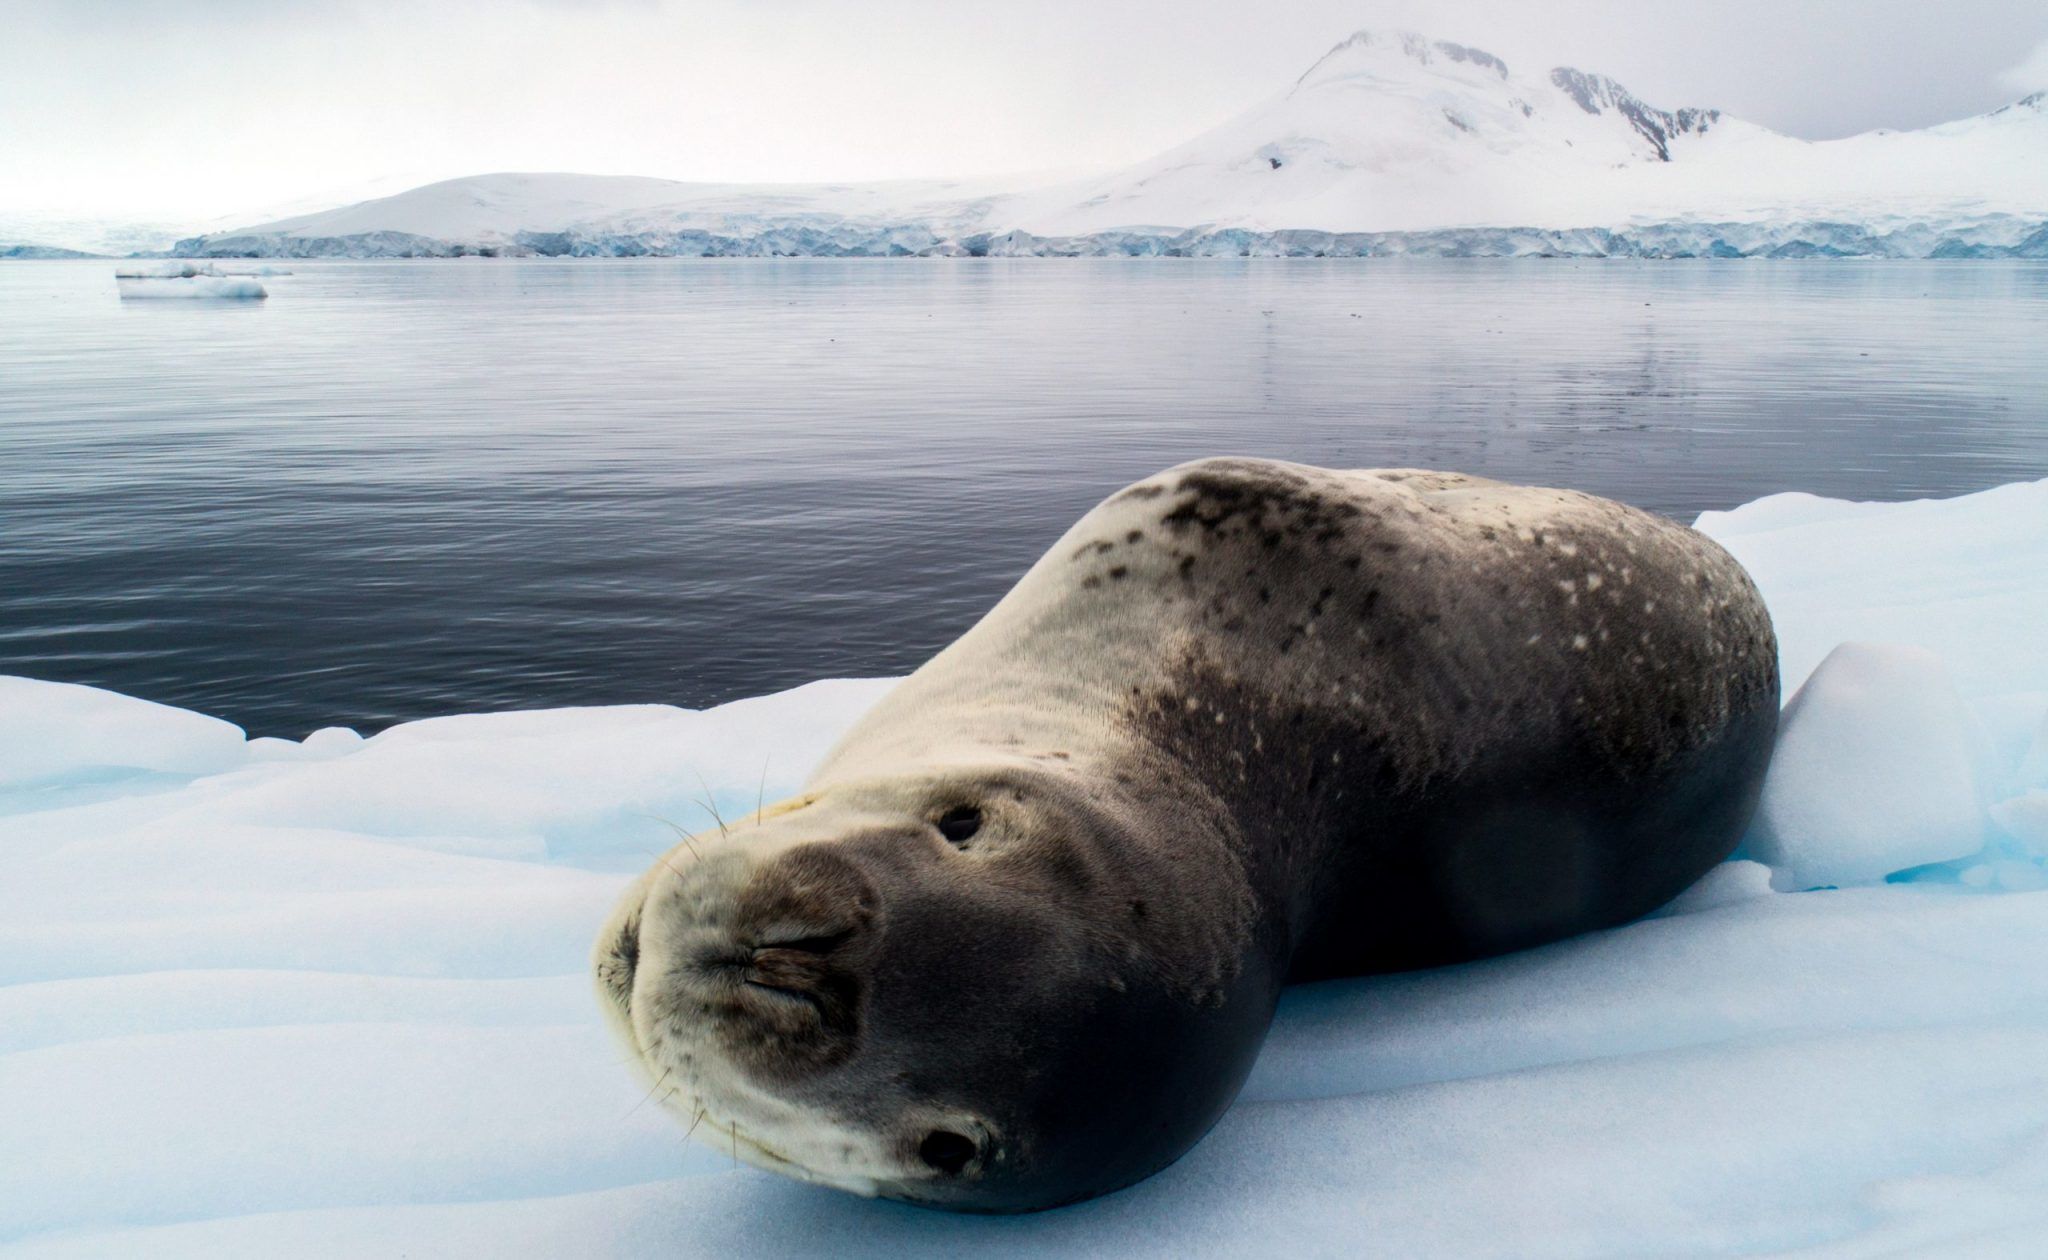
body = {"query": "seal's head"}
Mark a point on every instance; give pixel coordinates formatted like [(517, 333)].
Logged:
[(971, 990)]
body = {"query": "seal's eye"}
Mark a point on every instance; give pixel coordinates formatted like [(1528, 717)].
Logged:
[(946, 1152), (959, 823)]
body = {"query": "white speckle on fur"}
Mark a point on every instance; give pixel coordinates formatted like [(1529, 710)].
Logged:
[(1579, 642), (1593, 581)]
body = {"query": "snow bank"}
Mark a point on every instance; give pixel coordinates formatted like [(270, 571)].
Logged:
[(1877, 770), (327, 997), (53, 731)]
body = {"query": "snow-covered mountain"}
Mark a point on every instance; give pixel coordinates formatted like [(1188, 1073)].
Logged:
[(1390, 143)]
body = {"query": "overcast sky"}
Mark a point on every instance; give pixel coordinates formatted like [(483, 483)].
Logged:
[(187, 109)]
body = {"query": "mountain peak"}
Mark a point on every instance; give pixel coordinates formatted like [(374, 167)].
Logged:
[(1596, 93), (1405, 45)]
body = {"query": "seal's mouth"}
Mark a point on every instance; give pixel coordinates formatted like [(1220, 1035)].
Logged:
[(617, 964)]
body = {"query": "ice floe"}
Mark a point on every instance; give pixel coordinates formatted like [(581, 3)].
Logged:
[(327, 997)]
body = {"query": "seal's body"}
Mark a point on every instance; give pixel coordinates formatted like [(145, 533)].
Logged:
[(1247, 723)]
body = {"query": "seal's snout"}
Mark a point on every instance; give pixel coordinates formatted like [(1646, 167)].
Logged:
[(772, 957)]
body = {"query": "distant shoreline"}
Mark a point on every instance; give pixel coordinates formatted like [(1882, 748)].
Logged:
[(1988, 237)]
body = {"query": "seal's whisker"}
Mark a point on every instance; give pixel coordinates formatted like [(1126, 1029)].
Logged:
[(650, 1093), (712, 810), (682, 835), (761, 792), (710, 804)]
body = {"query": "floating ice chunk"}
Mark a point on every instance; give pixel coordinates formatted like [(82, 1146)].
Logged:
[(200, 286), (52, 732), (1877, 770)]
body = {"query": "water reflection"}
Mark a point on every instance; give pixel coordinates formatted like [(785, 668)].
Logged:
[(400, 489)]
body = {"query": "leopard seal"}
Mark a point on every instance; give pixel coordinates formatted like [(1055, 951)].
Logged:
[(1019, 938)]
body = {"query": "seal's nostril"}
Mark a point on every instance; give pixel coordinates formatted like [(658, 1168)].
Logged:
[(946, 1152)]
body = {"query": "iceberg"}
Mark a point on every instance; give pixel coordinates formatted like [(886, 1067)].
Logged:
[(189, 280), (327, 997)]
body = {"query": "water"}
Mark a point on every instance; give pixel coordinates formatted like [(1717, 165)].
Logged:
[(404, 489)]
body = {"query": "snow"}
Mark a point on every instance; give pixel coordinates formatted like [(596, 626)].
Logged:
[(1390, 144), (328, 997)]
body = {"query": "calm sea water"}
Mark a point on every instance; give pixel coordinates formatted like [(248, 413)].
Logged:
[(403, 489)]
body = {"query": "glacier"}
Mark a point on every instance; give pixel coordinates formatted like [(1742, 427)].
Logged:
[(327, 997), (1995, 236)]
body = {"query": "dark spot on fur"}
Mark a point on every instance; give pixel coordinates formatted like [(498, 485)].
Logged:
[(1117, 572)]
